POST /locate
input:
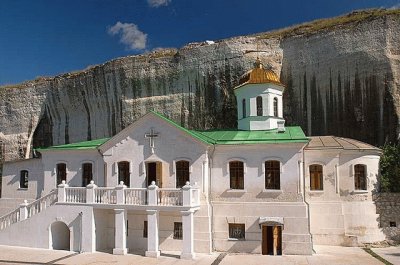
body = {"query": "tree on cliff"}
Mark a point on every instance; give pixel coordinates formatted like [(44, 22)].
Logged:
[(390, 168)]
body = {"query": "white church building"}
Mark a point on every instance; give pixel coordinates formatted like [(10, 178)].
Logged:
[(155, 186)]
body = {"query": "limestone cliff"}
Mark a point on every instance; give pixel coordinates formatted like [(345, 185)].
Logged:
[(342, 77)]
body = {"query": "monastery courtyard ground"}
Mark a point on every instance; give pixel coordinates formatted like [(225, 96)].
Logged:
[(325, 255)]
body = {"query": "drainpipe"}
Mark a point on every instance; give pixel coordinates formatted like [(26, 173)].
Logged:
[(81, 230), (304, 197)]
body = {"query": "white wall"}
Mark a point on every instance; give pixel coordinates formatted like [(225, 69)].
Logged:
[(11, 179), (74, 160), (171, 145)]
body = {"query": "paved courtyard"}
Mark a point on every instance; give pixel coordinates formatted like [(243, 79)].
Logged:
[(329, 255)]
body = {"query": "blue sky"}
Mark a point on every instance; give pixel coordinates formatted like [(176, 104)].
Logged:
[(50, 37)]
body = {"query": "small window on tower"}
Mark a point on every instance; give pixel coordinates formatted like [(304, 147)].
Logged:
[(275, 107), (244, 108), (23, 181), (259, 106)]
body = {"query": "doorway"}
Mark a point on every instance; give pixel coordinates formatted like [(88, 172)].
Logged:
[(271, 240), (60, 236), (154, 173)]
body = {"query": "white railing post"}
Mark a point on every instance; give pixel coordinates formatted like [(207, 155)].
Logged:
[(90, 192), (152, 193), (23, 210), (61, 191), (120, 193), (187, 194)]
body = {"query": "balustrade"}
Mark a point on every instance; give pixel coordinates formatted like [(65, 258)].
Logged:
[(75, 195)]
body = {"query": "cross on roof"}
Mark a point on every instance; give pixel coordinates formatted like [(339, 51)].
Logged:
[(151, 136)]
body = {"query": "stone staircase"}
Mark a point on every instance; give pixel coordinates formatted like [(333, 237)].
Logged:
[(26, 210)]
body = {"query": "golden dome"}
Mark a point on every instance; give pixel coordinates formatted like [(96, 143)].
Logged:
[(259, 75)]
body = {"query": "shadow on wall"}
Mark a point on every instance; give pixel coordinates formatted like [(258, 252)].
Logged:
[(60, 236)]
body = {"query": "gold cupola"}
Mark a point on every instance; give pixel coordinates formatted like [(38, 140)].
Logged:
[(259, 75)]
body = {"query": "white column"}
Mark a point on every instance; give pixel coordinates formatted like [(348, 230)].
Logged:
[(120, 193), (152, 194), (88, 232), (187, 194), (188, 235), (120, 232), (152, 234), (205, 174), (61, 191), (23, 210), (90, 192)]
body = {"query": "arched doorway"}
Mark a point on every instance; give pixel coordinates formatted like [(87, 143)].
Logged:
[(60, 236)]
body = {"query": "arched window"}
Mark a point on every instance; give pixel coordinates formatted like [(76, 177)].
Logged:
[(272, 175), (23, 179), (259, 106), (87, 174), (61, 172), (275, 107), (182, 173), (244, 108), (360, 177), (236, 173), (316, 177), (123, 172)]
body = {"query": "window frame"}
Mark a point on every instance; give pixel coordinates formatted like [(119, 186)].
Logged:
[(59, 176), (275, 105), (236, 179), (259, 106), (24, 179), (119, 170), (231, 232), (274, 171), (244, 111), (357, 187), (145, 229), (179, 171), (321, 177), (178, 231), (83, 172)]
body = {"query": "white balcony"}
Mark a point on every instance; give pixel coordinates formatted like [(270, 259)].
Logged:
[(186, 197)]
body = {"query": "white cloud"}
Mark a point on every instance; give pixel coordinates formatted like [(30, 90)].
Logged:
[(130, 35), (158, 3), (396, 6)]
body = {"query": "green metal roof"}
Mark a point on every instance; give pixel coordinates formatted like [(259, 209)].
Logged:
[(77, 146), (292, 134)]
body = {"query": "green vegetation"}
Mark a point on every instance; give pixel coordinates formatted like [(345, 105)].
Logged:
[(373, 254), (390, 168), (330, 23)]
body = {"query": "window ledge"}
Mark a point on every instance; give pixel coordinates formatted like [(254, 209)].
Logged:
[(316, 191), (359, 191), (236, 191), (22, 188), (236, 239), (271, 191)]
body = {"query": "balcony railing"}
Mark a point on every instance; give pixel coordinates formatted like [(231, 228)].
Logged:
[(187, 196)]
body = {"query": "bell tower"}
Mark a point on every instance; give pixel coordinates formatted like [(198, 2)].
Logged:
[(259, 100)]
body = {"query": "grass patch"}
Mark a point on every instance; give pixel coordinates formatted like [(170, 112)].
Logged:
[(373, 254), (330, 23)]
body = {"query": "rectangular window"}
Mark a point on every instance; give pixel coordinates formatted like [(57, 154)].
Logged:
[(61, 173), (237, 231), (182, 173), (178, 233), (23, 181), (236, 172), (272, 175), (360, 177), (316, 177), (145, 229)]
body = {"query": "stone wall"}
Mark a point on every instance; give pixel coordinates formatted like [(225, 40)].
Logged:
[(339, 81), (388, 208)]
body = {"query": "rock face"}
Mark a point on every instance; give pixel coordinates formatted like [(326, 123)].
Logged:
[(341, 80)]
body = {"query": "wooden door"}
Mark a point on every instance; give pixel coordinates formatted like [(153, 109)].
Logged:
[(271, 243)]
